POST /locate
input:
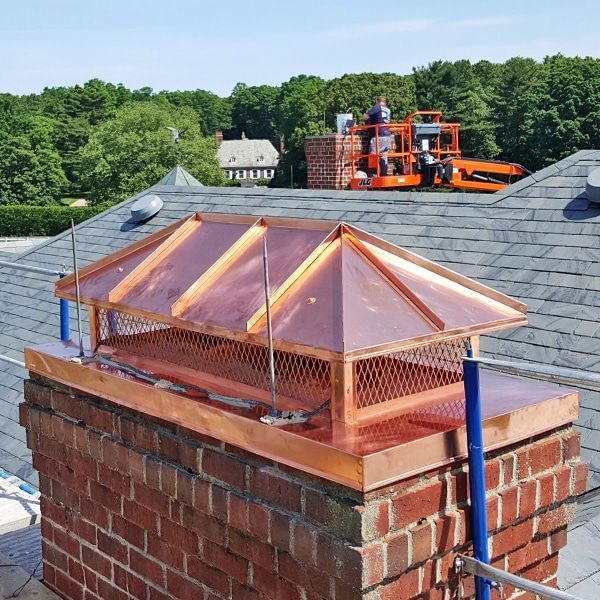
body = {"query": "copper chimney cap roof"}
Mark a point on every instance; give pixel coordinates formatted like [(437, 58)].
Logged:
[(337, 291)]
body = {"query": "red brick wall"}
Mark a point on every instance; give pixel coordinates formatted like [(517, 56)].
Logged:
[(328, 164), (137, 508), (328, 161)]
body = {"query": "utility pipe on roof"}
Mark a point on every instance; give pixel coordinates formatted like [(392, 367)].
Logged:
[(539, 371), (12, 361), (32, 269)]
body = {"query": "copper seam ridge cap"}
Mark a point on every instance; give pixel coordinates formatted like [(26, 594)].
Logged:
[(334, 286)]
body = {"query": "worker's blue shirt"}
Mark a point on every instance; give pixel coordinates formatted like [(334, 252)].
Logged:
[(378, 115)]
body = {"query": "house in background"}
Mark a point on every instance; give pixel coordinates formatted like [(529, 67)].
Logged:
[(247, 160)]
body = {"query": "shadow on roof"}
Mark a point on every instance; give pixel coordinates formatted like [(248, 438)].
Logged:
[(580, 209)]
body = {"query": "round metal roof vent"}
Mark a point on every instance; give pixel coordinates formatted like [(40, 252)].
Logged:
[(592, 186), (145, 207)]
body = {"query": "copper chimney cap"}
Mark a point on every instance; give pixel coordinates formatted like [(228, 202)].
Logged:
[(337, 291)]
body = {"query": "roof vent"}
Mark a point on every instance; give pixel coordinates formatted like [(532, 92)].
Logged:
[(145, 207), (592, 186)]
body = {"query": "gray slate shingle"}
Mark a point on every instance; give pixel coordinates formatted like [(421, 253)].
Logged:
[(538, 240)]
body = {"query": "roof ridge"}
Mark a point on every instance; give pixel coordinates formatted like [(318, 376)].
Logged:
[(542, 174)]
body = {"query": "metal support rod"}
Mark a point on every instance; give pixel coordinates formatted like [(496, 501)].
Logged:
[(65, 334), (480, 569), (539, 371), (32, 269), (476, 472), (77, 294), (269, 323), (12, 361)]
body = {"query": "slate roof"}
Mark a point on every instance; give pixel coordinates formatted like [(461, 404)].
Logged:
[(247, 153), (538, 241)]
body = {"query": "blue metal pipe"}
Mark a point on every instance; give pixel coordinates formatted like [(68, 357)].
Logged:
[(65, 334), (476, 472)]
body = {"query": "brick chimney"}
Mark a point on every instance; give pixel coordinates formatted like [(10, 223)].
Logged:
[(219, 136), (136, 505), (161, 478), (328, 161)]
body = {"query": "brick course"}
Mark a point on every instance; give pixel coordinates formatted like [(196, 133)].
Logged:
[(328, 161), (137, 508)]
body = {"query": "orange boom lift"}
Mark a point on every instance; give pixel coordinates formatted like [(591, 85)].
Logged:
[(426, 154)]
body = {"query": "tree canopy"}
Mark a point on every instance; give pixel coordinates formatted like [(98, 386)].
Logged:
[(135, 149), (58, 142), (30, 166)]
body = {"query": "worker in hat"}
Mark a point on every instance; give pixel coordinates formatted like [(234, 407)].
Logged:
[(379, 115)]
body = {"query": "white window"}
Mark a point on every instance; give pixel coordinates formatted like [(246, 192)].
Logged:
[(229, 174), (255, 174), (269, 173), (240, 174), (231, 160), (260, 159)]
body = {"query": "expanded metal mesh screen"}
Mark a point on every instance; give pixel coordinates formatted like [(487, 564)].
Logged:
[(377, 379), (408, 372), (297, 376)]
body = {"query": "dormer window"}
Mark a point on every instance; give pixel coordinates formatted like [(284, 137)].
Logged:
[(260, 159), (231, 159)]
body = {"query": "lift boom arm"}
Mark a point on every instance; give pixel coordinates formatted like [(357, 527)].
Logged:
[(424, 154)]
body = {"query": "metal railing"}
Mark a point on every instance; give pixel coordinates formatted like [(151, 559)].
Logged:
[(12, 361), (561, 375), (64, 304), (32, 269), (484, 571), (487, 577)]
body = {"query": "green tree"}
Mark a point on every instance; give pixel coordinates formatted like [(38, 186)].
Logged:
[(77, 110), (214, 112), (254, 111), (301, 105), (357, 92), (516, 101), (134, 150), (562, 119), (455, 89), (30, 167), (29, 173)]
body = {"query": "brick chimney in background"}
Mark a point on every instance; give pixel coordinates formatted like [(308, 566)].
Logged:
[(219, 136), (328, 161)]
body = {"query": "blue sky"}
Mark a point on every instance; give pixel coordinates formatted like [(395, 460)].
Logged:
[(185, 44)]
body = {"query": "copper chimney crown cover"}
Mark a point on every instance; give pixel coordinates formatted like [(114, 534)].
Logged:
[(368, 340), (360, 325), (337, 291)]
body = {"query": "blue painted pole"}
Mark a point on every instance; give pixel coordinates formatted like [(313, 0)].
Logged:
[(65, 334), (476, 472)]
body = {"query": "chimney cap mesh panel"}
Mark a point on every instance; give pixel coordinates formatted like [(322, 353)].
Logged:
[(304, 378), (300, 377)]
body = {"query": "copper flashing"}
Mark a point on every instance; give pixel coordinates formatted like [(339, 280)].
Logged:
[(363, 456)]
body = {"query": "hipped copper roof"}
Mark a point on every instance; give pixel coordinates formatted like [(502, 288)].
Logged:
[(336, 290)]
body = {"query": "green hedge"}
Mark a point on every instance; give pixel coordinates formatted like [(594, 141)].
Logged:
[(238, 183), (21, 220)]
